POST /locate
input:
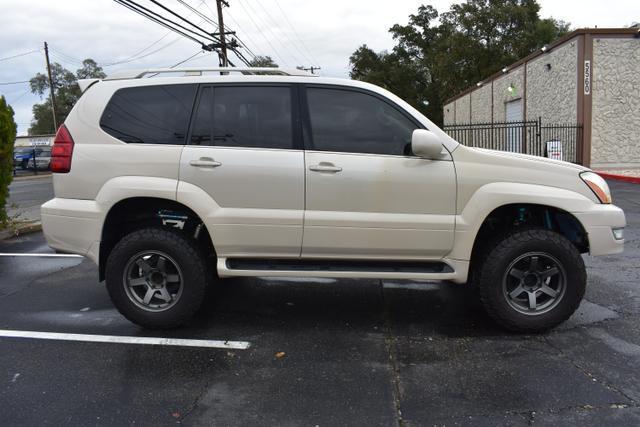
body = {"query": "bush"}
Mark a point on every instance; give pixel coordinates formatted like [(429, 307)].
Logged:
[(7, 138)]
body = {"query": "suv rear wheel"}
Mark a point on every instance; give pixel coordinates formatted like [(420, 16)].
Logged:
[(532, 280), (156, 278)]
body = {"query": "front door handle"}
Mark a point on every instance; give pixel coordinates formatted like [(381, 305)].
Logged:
[(205, 162), (325, 167)]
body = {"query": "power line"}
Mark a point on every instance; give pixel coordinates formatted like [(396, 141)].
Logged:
[(125, 61), (286, 18), (19, 55), (268, 27), (19, 97), (13, 83), (239, 28), (275, 51), (194, 32), (180, 17), (182, 62), (197, 12), (156, 17), (150, 46), (185, 60), (275, 25), (69, 57), (60, 59), (214, 23), (138, 54)]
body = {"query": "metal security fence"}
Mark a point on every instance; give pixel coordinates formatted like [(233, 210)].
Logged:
[(528, 137)]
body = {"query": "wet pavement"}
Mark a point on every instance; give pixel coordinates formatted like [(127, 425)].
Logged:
[(356, 352)]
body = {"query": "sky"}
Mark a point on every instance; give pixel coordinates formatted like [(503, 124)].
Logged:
[(293, 32)]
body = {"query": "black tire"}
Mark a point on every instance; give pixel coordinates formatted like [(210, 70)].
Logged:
[(507, 277), (181, 253)]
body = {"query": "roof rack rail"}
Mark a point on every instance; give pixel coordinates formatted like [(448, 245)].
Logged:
[(199, 71)]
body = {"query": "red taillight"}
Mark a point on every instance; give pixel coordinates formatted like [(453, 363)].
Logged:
[(62, 151)]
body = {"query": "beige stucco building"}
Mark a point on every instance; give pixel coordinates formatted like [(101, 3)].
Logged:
[(589, 77)]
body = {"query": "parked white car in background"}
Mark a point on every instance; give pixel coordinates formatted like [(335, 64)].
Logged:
[(171, 179)]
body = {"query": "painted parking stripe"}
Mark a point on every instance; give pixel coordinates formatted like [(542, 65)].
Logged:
[(42, 255), (178, 342)]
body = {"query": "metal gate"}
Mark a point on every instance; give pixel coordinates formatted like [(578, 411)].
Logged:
[(528, 137)]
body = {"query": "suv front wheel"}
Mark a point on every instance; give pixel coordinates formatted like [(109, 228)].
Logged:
[(532, 280), (156, 278)]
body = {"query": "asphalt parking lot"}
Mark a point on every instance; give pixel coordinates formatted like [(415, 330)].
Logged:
[(322, 352)]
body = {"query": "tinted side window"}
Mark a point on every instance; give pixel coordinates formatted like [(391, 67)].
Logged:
[(150, 114), (355, 122), (251, 116)]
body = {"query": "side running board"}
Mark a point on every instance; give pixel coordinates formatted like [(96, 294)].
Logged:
[(267, 264)]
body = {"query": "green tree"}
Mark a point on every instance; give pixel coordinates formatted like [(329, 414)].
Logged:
[(67, 92), (7, 138), (262, 61), (438, 55)]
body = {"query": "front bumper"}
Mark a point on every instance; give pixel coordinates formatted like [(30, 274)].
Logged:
[(599, 222)]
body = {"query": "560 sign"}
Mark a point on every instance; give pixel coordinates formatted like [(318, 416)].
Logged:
[(587, 77)]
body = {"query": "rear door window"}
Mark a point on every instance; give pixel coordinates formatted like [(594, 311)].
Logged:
[(244, 116), (150, 114)]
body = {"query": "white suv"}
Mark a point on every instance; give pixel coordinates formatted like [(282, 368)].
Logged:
[(171, 179)]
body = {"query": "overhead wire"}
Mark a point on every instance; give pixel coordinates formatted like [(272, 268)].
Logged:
[(215, 24), (302, 43), (13, 83), (13, 101), (156, 17), (186, 60), (125, 61), (191, 31), (279, 39), (19, 55), (263, 34), (138, 54), (182, 18)]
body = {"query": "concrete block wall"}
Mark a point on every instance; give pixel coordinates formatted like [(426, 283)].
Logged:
[(449, 114), (552, 85), (615, 128), (463, 109), (481, 104)]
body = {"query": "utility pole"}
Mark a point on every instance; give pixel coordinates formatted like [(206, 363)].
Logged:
[(51, 88), (224, 61), (312, 68)]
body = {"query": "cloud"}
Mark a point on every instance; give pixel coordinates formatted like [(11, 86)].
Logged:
[(324, 33)]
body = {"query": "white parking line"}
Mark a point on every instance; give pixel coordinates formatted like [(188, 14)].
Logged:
[(178, 342), (42, 255)]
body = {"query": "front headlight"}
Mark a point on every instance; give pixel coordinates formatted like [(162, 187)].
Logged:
[(598, 185)]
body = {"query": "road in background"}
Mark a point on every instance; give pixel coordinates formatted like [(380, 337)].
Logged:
[(27, 194), (323, 352)]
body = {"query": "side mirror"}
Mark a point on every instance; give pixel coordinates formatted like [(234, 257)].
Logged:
[(426, 144)]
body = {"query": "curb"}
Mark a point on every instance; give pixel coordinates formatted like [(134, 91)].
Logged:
[(631, 179), (25, 228), (29, 177)]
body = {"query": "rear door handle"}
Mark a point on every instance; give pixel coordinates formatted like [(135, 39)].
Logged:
[(325, 167), (205, 162)]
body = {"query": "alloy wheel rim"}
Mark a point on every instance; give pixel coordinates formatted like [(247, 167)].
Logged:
[(153, 281), (534, 283)]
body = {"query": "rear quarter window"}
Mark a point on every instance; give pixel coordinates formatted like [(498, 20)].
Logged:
[(150, 114)]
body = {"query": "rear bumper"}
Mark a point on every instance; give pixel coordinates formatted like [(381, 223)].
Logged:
[(73, 226), (599, 223)]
